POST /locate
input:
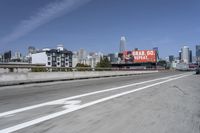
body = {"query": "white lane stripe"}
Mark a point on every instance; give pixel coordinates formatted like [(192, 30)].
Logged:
[(54, 115), (78, 96)]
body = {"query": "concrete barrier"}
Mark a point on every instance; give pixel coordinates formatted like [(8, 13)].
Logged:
[(20, 78)]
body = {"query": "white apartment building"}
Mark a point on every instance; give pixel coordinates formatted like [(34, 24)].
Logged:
[(59, 57)]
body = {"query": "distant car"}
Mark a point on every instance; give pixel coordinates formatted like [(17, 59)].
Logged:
[(198, 70)]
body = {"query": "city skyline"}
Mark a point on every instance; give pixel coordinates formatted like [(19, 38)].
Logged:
[(27, 51), (91, 25)]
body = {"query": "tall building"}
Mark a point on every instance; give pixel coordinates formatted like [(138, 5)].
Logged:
[(75, 59), (190, 56), (122, 44), (7, 56), (31, 50), (1, 58), (157, 52), (113, 57), (59, 57), (180, 55), (82, 55), (17, 55), (185, 55), (198, 53), (171, 58)]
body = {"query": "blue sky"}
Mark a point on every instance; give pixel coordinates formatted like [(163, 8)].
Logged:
[(96, 25)]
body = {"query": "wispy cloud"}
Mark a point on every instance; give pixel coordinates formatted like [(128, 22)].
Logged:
[(42, 16)]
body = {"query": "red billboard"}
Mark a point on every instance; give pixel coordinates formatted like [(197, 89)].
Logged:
[(140, 56)]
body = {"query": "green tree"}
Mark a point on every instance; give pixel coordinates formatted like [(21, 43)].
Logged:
[(104, 63), (162, 63), (82, 65)]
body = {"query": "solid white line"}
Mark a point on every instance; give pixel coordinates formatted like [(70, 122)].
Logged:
[(54, 115), (78, 96)]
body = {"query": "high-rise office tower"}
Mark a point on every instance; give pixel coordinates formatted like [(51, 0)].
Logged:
[(171, 58), (186, 54), (198, 50), (190, 56), (1, 58), (17, 55), (82, 55), (180, 55), (7, 56), (122, 44), (198, 53), (157, 52)]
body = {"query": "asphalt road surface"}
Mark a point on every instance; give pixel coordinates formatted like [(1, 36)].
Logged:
[(164, 102)]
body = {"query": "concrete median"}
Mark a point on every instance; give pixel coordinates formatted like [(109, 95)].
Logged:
[(25, 78)]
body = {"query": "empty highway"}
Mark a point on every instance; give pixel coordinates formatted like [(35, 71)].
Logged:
[(163, 102)]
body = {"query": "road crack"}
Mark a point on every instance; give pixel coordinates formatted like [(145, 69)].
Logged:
[(180, 90)]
